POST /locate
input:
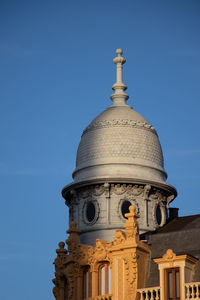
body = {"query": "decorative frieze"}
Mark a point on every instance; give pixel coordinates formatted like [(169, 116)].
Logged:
[(118, 123), (96, 207)]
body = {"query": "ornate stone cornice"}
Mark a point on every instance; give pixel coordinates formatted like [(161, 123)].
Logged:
[(170, 190)]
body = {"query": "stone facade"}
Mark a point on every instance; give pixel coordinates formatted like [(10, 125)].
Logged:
[(126, 256), (108, 200)]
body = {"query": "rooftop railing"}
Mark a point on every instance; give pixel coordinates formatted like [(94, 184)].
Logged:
[(151, 293), (192, 290)]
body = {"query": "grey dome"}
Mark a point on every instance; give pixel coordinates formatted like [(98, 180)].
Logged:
[(119, 143)]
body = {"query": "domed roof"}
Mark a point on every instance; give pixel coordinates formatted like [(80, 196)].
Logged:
[(119, 143)]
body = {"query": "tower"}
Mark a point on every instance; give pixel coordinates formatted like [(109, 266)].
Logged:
[(119, 163), (119, 191)]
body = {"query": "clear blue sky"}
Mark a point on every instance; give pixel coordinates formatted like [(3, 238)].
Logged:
[(56, 75)]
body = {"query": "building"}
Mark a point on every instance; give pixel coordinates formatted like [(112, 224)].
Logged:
[(125, 242)]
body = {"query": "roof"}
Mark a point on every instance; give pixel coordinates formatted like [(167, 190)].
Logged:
[(179, 224), (180, 234)]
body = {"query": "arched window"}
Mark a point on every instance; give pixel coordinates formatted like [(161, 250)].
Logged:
[(87, 283), (104, 279)]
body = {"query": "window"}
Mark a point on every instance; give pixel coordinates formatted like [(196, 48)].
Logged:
[(90, 211), (104, 279), (172, 284), (125, 208), (158, 214), (87, 283)]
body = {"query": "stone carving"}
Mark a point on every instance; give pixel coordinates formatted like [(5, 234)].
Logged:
[(89, 191), (169, 255), (119, 237), (147, 189), (118, 123), (131, 269), (131, 225), (98, 190), (130, 189), (85, 193), (70, 266), (61, 256), (157, 195), (100, 250), (56, 288), (71, 272), (73, 240), (118, 189)]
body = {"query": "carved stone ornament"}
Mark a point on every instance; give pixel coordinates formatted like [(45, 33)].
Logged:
[(130, 189), (70, 266), (169, 255), (157, 195), (147, 189), (118, 123), (89, 191), (131, 269), (101, 250), (71, 272), (131, 225), (119, 237)]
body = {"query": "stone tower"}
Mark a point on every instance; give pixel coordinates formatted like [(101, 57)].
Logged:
[(119, 163)]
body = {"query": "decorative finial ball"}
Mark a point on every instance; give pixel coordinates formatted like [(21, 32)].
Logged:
[(119, 51), (132, 209), (61, 245)]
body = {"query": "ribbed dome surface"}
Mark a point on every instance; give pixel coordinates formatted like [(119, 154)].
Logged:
[(119, 143)]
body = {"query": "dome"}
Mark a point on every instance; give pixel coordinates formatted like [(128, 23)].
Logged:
[(119, 143)]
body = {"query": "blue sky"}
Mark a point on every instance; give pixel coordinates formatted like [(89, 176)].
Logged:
[(56, 76)]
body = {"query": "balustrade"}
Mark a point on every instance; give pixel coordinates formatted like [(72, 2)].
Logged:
[(152, 293), (192, 290)]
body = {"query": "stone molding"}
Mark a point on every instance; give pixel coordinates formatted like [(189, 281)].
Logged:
[(133, 190), (118, 123)]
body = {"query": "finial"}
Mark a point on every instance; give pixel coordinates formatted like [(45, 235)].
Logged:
[(119, 97), (131, 224), (61, 251)]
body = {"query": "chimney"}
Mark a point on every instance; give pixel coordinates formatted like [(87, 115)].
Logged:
[(173, 213)]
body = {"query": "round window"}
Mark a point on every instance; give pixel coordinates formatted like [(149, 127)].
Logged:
[(125, 208), (90, 211), (158, 214)]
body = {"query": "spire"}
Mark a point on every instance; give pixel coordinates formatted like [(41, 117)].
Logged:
[(119, 97)]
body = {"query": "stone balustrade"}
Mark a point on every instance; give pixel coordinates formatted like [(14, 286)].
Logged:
[(192, 290), (152, 293)]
